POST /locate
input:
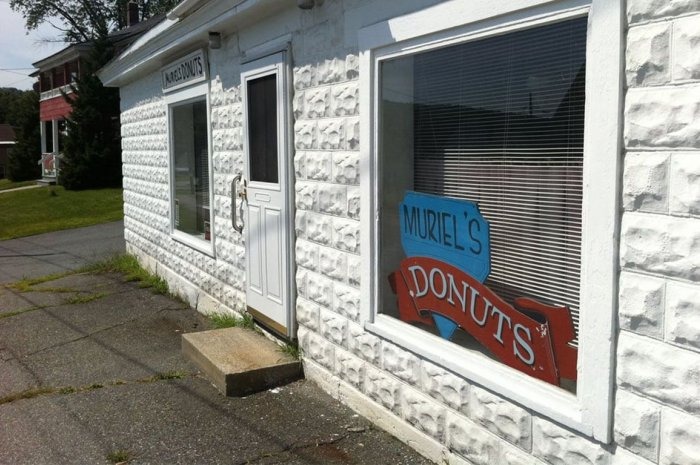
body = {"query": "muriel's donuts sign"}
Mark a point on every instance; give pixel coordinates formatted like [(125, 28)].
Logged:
[(441, 284), (187, 70)]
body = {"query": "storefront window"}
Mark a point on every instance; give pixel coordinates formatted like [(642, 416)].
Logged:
[(190, 169), (481, 162)]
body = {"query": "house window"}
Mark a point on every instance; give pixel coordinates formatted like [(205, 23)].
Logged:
[(190, 169), (497, 122), (493, 153)]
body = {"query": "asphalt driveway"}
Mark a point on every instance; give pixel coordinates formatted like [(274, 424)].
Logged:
[(91, 373), (59, 251)]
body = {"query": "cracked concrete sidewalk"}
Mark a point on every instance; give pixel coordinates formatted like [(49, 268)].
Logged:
[(91, 373)]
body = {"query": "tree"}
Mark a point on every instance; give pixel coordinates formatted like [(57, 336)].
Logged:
[(84, 20), (8, 98), (92, 152), (24, 155)]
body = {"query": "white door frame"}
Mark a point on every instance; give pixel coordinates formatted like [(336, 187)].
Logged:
[(275, 63)]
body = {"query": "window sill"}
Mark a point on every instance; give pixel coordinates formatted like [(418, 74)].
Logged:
[(549, 401), (206, 247)]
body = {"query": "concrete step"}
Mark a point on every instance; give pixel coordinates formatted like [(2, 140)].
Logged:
[(239, 361)]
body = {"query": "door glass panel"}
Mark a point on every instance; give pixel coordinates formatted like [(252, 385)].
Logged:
[(262, 128)]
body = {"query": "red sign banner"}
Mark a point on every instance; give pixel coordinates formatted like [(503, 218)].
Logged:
[(528, 335)]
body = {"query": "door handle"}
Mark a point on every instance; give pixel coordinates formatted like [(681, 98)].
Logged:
[(242, 195)]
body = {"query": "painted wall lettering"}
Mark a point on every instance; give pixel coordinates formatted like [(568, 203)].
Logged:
[(187, 70)]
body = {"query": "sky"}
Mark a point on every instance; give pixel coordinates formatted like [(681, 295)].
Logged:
[(19, 50)]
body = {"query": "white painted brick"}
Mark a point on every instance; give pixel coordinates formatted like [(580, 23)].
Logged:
[(646, 10), (307, 254), (300, 224), (298, 104), (685, 184), (308, 313), (333, 199), (352, 133), (502, 418), (363, 344), (346, 301), (346, 167), (304, 76), (637, 424), (648, 55), (354, 202), (383, 389), (354, 270), (319, 289), (665, 117), (331, 134), (352, 67), (646, 182), (642, 304), (317, 349), (317, 102), (659, 371), (400, 363), (330, 71), (318, 166), (445, 387), (346, 235), (661, 244), (305, 135), (301, 281), (686, 48), (333, 327), (319, 227), (680, 438), (345, 100), (306, 195), (683, 314), (558, 446), (333, 263), (300, 165), (472, 442), (423, 412), (351, 369)]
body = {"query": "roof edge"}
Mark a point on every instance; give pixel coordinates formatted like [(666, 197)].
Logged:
[(156, 48)]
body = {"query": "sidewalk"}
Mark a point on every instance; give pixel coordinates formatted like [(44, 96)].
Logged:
[(91, 373)]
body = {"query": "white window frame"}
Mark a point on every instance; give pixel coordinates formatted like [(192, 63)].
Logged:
[(176, 98), (590, 410)]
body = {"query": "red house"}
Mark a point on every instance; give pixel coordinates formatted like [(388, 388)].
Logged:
[(55, 75)]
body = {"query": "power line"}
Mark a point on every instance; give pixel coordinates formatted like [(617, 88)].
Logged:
[(14, 69), (13, 72)]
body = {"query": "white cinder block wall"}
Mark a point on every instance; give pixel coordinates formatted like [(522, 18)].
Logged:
[(657, 412), (657, 403)]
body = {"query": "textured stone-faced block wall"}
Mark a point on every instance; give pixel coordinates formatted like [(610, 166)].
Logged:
[(656, 411), (207, 283), (657, 414)]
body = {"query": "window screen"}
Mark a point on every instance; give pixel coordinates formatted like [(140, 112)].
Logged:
[(499, 122)]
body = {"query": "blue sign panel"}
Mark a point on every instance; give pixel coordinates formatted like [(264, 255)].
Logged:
[(447, 229)]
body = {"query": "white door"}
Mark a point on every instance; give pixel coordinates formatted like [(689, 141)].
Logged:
[(268, 229)]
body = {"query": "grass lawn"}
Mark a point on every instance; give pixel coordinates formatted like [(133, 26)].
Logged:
[(7, 184), (35, 211)]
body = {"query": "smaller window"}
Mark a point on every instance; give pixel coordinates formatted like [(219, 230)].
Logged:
[(190, 169)]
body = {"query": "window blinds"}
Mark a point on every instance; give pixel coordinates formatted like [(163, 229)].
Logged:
[(499, 122)]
